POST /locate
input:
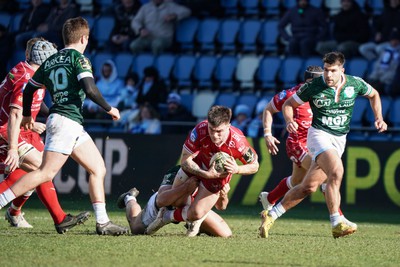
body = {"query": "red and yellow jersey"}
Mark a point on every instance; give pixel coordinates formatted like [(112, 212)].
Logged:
[(11, 92), (302, 114)]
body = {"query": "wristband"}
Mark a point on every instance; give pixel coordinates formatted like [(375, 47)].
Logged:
[(267, 134)]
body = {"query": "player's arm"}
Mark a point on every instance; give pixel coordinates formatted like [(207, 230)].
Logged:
[(270, 140), (93, 93), (176, 196), (27, 98), (223, 200), (250, 163), (13, 130), (376, 105), (188, 165), (288, 113)]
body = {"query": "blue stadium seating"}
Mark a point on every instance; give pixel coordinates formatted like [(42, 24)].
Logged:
[(267, 72), (186, 32), (206, 33), (359, 112), (248, 34), (225, 70), (187, 100), (15, 22), (394, 114), (227, 34), (164, 64), (230, 7), (183, 69), (102, 30), (271, 7), (245, 71), (123, 62), (203, 71), (5, 19), (227, 99), (386, 104), (248, 99), (269, 34), (289, 71), (357, 67), (249, 7), (141, 61)]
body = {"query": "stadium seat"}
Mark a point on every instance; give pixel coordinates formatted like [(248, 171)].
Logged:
[(377, 6), (5, 19), (183, 69), (357, 67), (360, 107), (102, 30), (164, 64), (201, 104), (316, 3), (248, 34), (140, 62), (15, 22), (267, 72), (225, 70), (227, 99), (227, 34), (289, 3), (289, 71), (245, 71), (230, 7), (203, 71), (16, 57), (123, 62), (248, 99), (271, 7), (186, 32), (394, 113), (269, 35), (187, 100), (206, 33), (98, 60), (249, 7)]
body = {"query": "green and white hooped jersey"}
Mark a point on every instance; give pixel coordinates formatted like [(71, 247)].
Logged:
[(332, 109), (60, 74)]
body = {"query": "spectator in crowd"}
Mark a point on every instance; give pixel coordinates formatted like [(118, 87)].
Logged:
[(122, 34), (110, 87), (308, 26), (146, 122), (154, 23), (6, 48), (255, 127), (242, 117), (129, 93), (152, 89), (176, 112), (394, 88), (51, 28), (385, 66), (384, 24), (347, 39), (30, 21)]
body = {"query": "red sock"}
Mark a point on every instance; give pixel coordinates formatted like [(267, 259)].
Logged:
[(278, 192), (178, 215), (15, 208), (11, 179), (339, 210), (48, 195)]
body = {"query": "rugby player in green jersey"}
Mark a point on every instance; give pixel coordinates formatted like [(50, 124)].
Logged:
[(68, 77), (331, 99)]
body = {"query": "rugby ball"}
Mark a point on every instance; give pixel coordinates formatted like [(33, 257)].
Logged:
[(220, 159)]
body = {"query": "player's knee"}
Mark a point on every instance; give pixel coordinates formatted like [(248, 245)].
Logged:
[(308, 189)]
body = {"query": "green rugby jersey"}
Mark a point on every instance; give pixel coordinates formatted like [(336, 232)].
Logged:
[(332, 109), (60, 74)]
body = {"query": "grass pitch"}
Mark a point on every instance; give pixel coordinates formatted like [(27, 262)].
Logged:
[(302, 237)]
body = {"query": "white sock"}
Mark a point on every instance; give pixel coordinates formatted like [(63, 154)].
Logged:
[(128, 198), (277, 211), (335, 218), (100, 213), (289, 182), (323, 187), (6, 197)]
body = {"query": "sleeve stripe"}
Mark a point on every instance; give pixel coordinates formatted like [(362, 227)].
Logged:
[(84, 75), (298, 100), (35, 83)]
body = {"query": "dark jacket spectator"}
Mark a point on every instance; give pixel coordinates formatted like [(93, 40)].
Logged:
[(152, 90), (6, 50), (308, 26), (347, 39), (122, 34), (176, 112)]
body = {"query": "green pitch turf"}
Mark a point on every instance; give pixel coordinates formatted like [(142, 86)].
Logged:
[(302, 237)]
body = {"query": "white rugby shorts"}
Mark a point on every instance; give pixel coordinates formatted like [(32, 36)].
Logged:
[(63, 135), (319, 141), (149, 213)]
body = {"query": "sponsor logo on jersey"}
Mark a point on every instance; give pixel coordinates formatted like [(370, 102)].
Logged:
[(11, 76), (231, 144), (349, 91), (346, 103), (319, 103), (334, 122), (282, 95), (27, 76), (85, 64), (249, 156), (193, 135), (59, 60)]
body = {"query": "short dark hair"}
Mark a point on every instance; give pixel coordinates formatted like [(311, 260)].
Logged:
[(313, 72), (218, 115), (334, 57)]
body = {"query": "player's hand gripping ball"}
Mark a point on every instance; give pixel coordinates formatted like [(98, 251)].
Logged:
[(220, 159)]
